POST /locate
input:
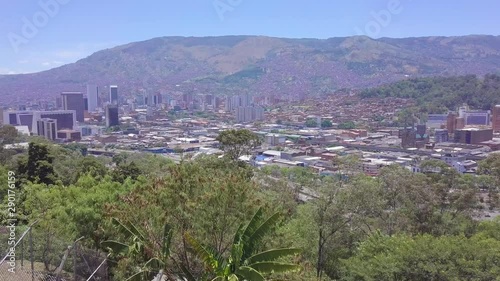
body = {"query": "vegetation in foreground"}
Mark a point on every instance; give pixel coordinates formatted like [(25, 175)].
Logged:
[(197, 220)]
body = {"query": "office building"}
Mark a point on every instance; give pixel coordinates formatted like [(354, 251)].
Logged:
[(112, 116), (92, 97), (477, 117), (437, 121), (113, 94), (74, 101), (496, 118), (441, 135), (65, 119), (47, 128), (473, 135)]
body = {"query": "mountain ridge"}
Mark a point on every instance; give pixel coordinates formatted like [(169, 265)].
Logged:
[(260, 64)]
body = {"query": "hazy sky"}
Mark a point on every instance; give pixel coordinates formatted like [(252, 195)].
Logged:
[(36, 36)]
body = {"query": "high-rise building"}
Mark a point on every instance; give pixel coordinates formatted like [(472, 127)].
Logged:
[(159, 98), (47, 128), (112, 116), (496, 118), (245, 114), (92, 97), (74, 101), (113, 94), (86, 104)]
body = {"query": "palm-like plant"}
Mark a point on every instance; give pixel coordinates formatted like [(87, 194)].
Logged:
[(243, 263), (154, 254)]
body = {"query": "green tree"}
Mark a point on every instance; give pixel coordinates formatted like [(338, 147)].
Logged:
[(349, 125), (8, 135), (311, 123), (244, 261), (38, 166), (326, 124), (125, 171), (189, 197), (424, 257), (236, 143)]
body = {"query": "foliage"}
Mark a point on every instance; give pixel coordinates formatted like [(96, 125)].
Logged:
[(236, 143), (326, 124), (244, 263), (424, 257), (37, 167), (349, 125), (125, 171), (141, 245), (207, 197), (311, 123), (8, 135), (440, 94)]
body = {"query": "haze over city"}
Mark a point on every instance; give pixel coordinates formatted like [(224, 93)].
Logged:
[(249, 140)]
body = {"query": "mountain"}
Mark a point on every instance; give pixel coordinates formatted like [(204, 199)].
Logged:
[(265, 65)]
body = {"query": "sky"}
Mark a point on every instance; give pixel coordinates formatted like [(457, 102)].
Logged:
[(37, 35)]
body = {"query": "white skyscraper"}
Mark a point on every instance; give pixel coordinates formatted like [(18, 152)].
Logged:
[(92, 97)]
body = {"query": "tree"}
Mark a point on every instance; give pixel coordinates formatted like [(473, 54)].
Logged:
[(149, 254), (8, 135), (491, 166), (311, 123), (37, 167), (206, 197), (244, 263), (424, 257), (349, 125), (236, 143), (126, 170), (326, 124)]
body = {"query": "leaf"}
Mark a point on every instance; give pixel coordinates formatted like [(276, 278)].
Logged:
[(137, 277), (129, 229), (167, 240), (187, 275), (274, 267), (253, 224), (115, 246), (249, 273), (154, 264), (272, 255), (252, 241), (209, 257)]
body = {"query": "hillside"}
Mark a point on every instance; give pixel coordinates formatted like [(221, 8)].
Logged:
[(266, 65), (440, 94)]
